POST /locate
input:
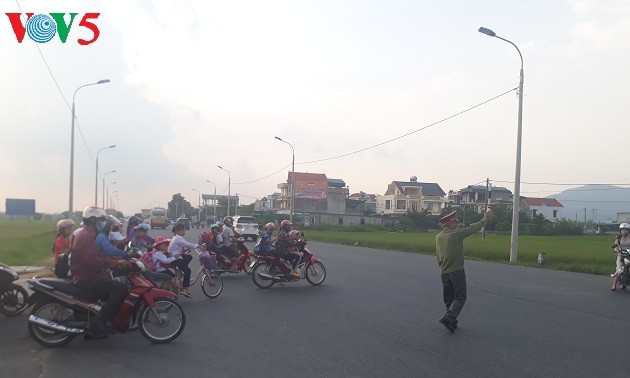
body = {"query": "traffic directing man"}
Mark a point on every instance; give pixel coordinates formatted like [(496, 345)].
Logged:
[(449, 247)]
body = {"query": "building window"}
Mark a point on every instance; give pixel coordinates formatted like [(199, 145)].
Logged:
[(555, 213), (429, 207), (388, 204), (340, 220), (401, 205), (362, 220), (534, 213)]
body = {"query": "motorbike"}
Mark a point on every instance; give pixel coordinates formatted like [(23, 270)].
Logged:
[(13, 297), (61, 311), (623, 274), (311, 268), (244, 262)]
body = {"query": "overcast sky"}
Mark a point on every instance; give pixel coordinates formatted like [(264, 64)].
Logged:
[(196, 84)]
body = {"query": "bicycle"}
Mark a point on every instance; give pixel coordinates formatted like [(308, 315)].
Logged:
[(211, 281)]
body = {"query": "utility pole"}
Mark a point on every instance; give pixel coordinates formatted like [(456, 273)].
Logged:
[(593, 217), (483, 234), (584, 219)]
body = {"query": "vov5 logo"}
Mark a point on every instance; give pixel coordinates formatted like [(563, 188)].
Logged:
[(42, 28)]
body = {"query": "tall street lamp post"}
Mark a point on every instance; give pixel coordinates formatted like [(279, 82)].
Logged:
[(108, 197), (215, 199), (229, 188), (292, 177), (71, 191), (96, 178), (104, 184), (517, 175), (199, 204)]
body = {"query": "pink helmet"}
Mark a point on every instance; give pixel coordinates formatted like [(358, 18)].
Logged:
[(161, 239), (270, 225), (285, 223), (294, 235)]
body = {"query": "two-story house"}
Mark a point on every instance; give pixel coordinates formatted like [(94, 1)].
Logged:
[(475, 196), (403, 196), (550, 208)]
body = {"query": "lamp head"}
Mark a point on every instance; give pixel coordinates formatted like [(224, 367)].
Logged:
[(102, 81), (487, 31), (280, 139)]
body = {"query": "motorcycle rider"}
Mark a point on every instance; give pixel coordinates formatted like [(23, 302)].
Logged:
[(62, 240), (285, 245), (139, 239), (265, 244), (622, 241), (132, 222), (175, 249), (103, 242), (87, 263), (230, 239), (161, 258)]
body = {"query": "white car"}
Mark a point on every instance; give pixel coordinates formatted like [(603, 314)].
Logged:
[(247, 227)]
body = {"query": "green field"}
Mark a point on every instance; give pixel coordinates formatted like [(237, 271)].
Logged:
[(26, 243), (587, 254)]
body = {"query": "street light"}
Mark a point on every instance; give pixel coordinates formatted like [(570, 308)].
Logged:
[(108, 197), (199, 204), (292, 177), (104, 184), (71, 191), (215, 199), (96, 178), (229, 184), (517, 175)]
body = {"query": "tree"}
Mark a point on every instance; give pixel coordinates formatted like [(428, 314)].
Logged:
[(246, 209), (180, 205)]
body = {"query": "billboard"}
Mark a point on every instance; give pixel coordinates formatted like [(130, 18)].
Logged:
[(311, 189), (16, 206)]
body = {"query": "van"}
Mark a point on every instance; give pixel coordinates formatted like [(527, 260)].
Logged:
[(247, 226)]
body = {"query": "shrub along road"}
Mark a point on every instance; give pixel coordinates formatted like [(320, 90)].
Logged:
[(375, 315)]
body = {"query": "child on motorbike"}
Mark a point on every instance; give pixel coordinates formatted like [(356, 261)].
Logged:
[(139, 239), (62, 240), (622, 241), (285, 246), (176, 249), (230, 239), (265, 244), (161, 258)]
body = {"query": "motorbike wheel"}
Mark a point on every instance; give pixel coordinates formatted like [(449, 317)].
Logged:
[(162, 323), (262, 283), (168, 285), (212, 291), (14, 300), (55, 312), (316, 274)]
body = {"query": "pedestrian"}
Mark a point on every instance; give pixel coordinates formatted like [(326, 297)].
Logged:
[(449, 248)]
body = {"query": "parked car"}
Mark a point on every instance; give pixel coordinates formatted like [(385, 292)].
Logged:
[(185, 222), (246, 226)]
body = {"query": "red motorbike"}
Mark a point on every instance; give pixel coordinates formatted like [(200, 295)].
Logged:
[(244, 262), (310, 268), (62, 310)]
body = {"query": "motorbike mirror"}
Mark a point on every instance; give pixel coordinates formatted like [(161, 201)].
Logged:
[(613, 246)]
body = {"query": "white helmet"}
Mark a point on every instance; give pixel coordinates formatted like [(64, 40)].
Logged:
[(624, 225), (114, 221), (94, 211), (65, 223)]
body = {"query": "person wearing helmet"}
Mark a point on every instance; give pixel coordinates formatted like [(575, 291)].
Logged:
[(229, 239), (62, 240), (132, 222), (622, 241), (139, 239), (176, 249), (102, 240), (88, 262), (264, 246), (161, 257), (285, 246)]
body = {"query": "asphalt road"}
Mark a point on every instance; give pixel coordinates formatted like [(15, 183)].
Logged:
[(375, 315)]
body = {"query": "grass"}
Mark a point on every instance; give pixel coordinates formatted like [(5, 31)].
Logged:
[(586, 254), (26, 243)]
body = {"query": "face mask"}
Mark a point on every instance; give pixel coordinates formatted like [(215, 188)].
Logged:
[(101, 226), (625, 232)]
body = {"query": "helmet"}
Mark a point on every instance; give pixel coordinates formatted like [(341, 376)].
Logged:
[(161, 239), (65, 223), (94, 212), (143, 227), (270, 225), (228, 220), (294, 235), (624, 225), (286, 223), (133, 219), (214, 225), (113, 220)]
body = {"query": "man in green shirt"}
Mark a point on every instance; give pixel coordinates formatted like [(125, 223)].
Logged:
[(449, 248)]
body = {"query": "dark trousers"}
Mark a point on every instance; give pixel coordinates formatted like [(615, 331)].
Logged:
[(113, 292), (183, 265), (454, 290)]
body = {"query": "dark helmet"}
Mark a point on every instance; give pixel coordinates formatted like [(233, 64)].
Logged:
[(228, 220)]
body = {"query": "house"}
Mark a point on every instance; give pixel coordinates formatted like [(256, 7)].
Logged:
[(475, 196), (268, 203), (549, 207), (368, 199), (403, 196), (314, 193)]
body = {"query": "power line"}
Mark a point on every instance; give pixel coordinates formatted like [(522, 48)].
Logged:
[(260, 179), (56, 83), (411, 132), (556, 183)]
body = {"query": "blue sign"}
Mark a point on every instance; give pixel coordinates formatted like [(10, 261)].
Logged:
[(20, 206)]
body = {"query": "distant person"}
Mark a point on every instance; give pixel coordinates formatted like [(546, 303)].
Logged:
[(449, 248), (62, 240), (622, 241)]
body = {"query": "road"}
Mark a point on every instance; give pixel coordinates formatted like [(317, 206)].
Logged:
[(375, 315)]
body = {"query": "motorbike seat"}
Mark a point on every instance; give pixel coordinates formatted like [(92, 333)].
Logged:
[(67, 287)]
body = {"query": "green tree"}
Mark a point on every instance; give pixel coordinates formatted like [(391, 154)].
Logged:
[(179, 204)]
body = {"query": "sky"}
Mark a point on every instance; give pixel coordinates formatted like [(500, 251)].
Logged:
[(196, 84)]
